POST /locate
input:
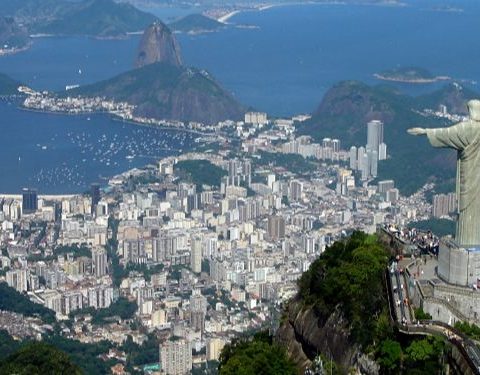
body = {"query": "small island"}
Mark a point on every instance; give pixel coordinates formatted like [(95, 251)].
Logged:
[(410, 75)]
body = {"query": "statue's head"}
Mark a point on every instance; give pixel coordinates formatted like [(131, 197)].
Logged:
[(474, 109)]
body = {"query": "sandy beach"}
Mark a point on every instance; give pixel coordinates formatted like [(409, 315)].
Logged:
[(227, 16)]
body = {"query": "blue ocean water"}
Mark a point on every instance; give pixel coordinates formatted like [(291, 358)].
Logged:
[(299, 51), (283, 65)]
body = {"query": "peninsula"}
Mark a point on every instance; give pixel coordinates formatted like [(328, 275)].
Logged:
[(409, 75)]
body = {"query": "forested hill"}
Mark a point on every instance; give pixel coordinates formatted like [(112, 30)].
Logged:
[(348, 106)]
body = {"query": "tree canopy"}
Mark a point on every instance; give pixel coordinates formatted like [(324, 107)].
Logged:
[(38, 358), (349, 275), (255, 356)]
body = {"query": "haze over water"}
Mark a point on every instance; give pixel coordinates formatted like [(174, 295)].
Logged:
[(283, 67)]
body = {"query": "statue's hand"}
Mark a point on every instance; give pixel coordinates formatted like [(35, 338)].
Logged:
[(417, 131)]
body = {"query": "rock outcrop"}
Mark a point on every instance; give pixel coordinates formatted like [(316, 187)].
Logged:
[(305, 334), (158, 45)]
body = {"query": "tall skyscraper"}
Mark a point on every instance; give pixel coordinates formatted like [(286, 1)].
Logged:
[(444, 204), (372, 162), (99, 262), (176, 357), (382, 151), (295, 190), (335, 145), (327, 143), (276, 227), (374, 135), (95, 193), (196, 255), (353, 158), (29, 200), (363, 165)]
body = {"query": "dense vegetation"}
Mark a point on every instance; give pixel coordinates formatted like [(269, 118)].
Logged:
[(417, 356), (291, 162), (38, 358), (471, 330), (257, 355), (84, 355), (200, 172), (138, 355), (122, 308), (440, 227), (349, 275), (422, 315), (11, 300), (77, 251)]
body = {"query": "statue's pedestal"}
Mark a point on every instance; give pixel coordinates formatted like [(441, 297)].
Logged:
[(458, 265)]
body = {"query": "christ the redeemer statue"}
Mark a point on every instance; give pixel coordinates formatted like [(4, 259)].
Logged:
[(465, 138)]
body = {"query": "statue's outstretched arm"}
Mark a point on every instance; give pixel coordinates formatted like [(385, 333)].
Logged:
[(417, 131)]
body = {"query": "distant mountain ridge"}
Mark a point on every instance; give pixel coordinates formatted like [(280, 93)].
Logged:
[(165, 91), (348, 106), (99, 18)]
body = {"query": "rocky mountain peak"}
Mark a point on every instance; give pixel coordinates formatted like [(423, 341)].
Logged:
[(158, 45)]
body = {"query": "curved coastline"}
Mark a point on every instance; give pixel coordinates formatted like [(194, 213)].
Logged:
[(411, 80)]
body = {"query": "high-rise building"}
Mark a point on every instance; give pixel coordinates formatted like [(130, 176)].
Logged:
[(295, 190), (327, 143), (335, 145), (17, 279), (176, 357), (385, 185), (444, 204), (392, 195), (382, 151), (372, 156), (276, 227), (374, 135), (196, 255), (95, 193), (214, 348), (29, 201), (363, 165), (99, 262), (353, 158)]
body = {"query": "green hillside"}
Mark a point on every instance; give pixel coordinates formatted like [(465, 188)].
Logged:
[(164, 91), (348, 106), (102, 18)]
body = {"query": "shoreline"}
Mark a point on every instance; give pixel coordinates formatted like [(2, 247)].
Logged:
[(40, 196), (412, 81), (13, 51), (262, 7), (115, 117)]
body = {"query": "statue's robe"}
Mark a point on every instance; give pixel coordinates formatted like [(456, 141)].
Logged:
[(465, 138)]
